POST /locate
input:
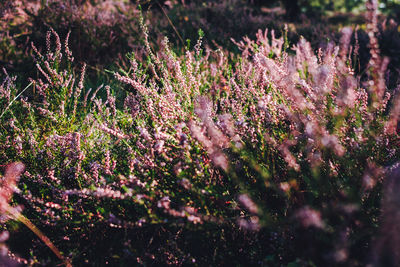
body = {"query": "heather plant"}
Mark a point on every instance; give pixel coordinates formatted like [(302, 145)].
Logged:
[(4, 7), (274, 156), (297, 126), (82, 151)]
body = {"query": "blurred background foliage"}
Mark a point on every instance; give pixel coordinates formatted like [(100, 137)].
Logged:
[(105, 30)]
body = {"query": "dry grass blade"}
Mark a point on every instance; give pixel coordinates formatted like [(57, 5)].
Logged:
[(12, 173), (43, 237)]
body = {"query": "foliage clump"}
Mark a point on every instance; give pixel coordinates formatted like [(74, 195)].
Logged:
[(272, 156)]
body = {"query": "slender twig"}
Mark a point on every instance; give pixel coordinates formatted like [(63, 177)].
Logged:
[(9, 105), (172, 25)]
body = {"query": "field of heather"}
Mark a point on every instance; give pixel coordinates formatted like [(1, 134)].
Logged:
[(199, 133)]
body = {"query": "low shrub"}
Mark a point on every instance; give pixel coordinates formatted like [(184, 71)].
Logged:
[(275, 156)]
